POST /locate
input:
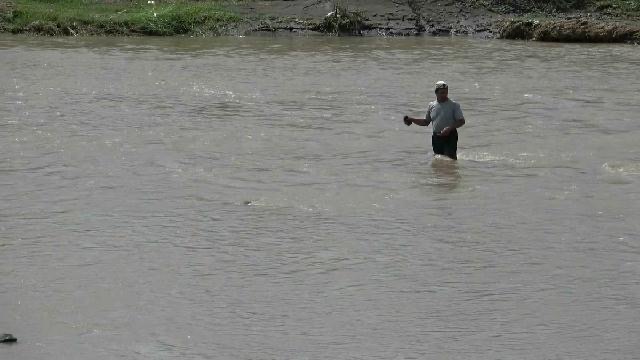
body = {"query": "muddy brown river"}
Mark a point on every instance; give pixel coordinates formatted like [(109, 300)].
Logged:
[(260, 198)]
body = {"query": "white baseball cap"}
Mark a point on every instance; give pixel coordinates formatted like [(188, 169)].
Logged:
[(441, 85)]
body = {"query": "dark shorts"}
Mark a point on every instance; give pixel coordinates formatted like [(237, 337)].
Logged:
[(446, 145)]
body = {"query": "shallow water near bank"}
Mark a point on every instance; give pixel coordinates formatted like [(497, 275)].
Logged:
[(260, 198)]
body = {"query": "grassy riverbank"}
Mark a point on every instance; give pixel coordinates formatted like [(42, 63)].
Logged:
[(547, 20), (115, 17)]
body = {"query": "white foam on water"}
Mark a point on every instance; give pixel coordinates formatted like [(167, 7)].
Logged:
[(204, 90), (520, 159), (443, 158), (627, 169), (620, 173), (482, 157)]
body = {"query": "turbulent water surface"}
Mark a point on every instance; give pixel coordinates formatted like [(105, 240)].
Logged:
[(260, 198)]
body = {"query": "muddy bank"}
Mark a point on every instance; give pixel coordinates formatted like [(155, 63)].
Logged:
[(567, 21), (570, 30), (379, 17)]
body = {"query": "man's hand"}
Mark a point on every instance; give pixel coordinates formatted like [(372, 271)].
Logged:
[(446, 131), (407, 121)]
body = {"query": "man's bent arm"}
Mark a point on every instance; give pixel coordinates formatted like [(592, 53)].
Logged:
[(458, 123)]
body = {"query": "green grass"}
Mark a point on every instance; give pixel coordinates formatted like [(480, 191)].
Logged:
[(115, 17)]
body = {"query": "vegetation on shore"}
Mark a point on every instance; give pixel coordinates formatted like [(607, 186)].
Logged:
[(342, 20), (620, 8), (114, 17), (574, 21), (572, 30), (546, 20)]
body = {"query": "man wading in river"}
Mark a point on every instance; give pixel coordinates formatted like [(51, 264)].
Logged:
[(446, 116)]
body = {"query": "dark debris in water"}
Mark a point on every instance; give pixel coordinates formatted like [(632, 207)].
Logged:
[(7, 338)]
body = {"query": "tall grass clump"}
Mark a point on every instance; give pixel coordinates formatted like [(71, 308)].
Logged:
[(343, 21)]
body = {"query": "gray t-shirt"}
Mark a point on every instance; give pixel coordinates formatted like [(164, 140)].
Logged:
[(443, 114)]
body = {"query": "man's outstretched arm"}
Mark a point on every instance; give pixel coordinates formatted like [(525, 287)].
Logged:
[(422, 122)]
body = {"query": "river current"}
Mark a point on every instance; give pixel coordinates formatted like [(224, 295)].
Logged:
[(260, 198)]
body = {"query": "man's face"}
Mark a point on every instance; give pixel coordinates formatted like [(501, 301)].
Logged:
[(441, 94)]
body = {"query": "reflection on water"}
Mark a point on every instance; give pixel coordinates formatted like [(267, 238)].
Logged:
[(445, 173), (260, 198)]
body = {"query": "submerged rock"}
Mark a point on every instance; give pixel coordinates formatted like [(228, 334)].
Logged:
[(7, 338)]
